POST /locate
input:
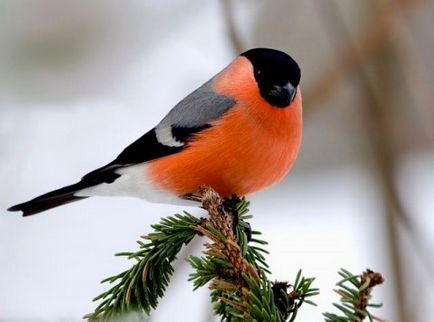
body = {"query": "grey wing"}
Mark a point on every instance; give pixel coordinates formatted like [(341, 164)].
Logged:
[(195, 112)]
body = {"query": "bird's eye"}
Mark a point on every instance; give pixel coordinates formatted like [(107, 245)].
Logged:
[(258, 72)]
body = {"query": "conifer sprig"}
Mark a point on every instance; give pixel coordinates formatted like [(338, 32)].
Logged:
[(289, 303), (355, 295), (236, 269), (144, 283), (233, 266)]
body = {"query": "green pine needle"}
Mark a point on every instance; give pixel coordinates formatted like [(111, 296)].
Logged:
[(355, 293), (140, 287), (240, 288)]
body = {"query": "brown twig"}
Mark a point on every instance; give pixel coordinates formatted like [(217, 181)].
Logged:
[(370, 279), (223, 246)]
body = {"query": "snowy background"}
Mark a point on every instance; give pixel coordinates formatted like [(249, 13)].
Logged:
[(80, 80)]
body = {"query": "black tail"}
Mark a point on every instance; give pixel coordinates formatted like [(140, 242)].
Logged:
[(50, 200), (65, 195)]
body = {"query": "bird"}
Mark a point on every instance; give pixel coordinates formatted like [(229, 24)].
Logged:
[(238, 133)]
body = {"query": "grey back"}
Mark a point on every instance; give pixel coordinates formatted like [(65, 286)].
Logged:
[(199, 108)]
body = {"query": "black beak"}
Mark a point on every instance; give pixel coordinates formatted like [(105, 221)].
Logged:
[(281, 96), (292, 91)]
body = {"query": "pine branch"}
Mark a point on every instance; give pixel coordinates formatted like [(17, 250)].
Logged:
[(237, 270), (233, 266), (355, 292), (144, 283)]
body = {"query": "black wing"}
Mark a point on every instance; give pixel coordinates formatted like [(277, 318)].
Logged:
[(144, 149)]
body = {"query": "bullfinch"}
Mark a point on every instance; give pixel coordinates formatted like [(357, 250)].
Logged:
[(237, 133)]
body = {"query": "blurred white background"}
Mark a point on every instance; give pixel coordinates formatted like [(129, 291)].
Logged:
[(80, 80)]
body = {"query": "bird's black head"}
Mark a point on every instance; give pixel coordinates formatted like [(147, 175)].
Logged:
[(276, 73)]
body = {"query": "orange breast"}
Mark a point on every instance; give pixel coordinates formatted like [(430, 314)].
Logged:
[(251, 147)]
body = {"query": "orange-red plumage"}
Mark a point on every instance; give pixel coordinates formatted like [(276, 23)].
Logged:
[(238, 133), (251, 147)]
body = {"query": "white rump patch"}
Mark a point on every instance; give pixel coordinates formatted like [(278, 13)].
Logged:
[(134, 182)]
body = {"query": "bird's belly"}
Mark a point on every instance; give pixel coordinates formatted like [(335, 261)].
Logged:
[(233, 160)]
